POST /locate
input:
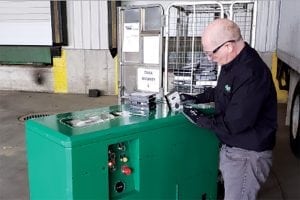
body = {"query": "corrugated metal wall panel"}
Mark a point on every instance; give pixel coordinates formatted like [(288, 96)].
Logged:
[(262, 21), (77, 30), (95, 19), (103, 24), (267, 22), (87, 24), (273, 20)]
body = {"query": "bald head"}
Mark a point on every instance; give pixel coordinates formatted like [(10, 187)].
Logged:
[(219, 31), (222, 41)]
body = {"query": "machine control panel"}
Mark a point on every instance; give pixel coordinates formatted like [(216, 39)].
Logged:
[(123, 167)]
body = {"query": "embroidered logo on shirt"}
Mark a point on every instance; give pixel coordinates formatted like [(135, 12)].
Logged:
[(227, 88)]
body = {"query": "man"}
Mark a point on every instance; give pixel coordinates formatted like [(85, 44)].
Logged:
[(245, 118)]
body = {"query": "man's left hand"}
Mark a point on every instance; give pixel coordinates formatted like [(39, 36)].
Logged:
[(197, 117), (192, 114)]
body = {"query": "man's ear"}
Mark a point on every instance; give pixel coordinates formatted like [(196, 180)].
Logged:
[(229, 48)]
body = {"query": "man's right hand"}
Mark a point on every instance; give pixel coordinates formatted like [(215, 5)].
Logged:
[(187, 97)]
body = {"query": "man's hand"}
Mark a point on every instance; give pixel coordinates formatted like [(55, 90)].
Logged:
[(192, 114), (197, 117), (187, 97)]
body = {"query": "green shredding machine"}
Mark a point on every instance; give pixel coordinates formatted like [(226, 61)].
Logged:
[(112, 153)]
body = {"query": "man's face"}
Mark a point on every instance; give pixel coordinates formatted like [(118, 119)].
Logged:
[(217, 53)]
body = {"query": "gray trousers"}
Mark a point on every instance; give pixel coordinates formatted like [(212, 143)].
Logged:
[(243, 172)]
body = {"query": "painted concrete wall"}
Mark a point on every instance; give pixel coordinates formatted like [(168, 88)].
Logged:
[(86, 69), (26, 78), (90, 69)]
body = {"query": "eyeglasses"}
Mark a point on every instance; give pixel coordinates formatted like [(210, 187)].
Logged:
[(210, 53)]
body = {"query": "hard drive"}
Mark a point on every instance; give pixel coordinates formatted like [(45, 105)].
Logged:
[(173, 101)]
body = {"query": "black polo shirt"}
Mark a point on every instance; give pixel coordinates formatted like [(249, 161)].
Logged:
[(245, 103)]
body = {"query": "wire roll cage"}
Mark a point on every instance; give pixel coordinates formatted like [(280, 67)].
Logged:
[(140, 34), (187, 68)]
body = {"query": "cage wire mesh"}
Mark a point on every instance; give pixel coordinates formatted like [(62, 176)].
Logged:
[(188, 68), (243, 15)]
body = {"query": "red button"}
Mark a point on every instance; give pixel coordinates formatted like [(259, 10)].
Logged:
[(126, 170)]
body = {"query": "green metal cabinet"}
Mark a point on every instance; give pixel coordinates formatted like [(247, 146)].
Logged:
[(108, 153)]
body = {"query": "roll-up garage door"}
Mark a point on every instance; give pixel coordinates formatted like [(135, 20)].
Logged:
[(26, 33)]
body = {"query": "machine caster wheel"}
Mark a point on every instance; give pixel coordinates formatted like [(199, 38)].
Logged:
[(294, 122)]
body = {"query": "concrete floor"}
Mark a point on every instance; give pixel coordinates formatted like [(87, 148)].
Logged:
[(283, 182)]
